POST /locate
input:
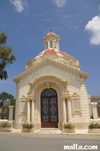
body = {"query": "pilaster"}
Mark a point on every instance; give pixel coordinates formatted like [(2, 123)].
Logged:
[(11, 110), (64, 111), (69, 110), (28, 111), (66, 97), (33, 110), (94, 110)]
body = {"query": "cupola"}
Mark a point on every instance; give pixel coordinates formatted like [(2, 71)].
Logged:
[(51, 40)]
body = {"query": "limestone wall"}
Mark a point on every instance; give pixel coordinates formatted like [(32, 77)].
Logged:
[(76, 84)]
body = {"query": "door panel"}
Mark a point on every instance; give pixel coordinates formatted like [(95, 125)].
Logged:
[(53, 109), (49, 108), (45, 110)]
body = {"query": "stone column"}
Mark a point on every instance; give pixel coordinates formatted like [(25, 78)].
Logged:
[(11, 110), (48, 44), (28, 111), (33, 111), (69, 110), (94, 110), (89, 102), (64, 111)]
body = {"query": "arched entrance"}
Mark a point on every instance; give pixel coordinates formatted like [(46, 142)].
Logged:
[(49, 108)]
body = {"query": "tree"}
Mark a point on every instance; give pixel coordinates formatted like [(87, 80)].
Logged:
[(6, 56), (6, 97)]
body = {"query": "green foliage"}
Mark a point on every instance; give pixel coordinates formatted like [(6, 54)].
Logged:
[(27, 125), (94, 126), (6, 100), (12, 101), (4, 96), (6, 56), (5, 125), (68, 126)]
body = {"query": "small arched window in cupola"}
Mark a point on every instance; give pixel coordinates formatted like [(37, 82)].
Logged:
[(50, 44), (54, 44), (46, 45)]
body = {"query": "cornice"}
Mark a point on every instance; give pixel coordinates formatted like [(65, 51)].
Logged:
[(53, 63)]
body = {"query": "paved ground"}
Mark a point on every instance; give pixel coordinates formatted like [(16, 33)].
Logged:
[(38, 142)]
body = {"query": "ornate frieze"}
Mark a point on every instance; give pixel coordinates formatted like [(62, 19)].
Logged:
[(48, 79)]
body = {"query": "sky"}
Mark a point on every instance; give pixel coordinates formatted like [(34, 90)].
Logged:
[(77, 22)]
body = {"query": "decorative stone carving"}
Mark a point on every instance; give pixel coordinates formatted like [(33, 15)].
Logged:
[(75, 96), (76, 106), (65, 94), (23, 98), (50, 77), (48, 85)]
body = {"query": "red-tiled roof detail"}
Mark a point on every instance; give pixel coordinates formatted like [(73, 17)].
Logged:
[(53, 52), (63, 53), (50, 51)]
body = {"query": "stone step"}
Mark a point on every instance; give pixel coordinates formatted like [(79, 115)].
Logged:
[(48, 131), (16, 130), (81, 131)]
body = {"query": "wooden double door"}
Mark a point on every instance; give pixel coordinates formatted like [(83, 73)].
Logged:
[(49, 109)]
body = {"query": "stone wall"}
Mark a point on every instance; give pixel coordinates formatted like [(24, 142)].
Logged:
[(76, 84)]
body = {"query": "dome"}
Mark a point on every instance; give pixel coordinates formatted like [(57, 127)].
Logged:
[(54, 52)]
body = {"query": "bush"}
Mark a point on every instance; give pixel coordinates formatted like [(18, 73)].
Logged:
[(5, 125), (27, 125), (68, 126), (94, 126)]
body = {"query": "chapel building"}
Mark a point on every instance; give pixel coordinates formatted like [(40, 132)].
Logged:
[(51, 91)]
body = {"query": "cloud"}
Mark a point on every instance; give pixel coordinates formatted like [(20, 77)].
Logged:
[(19, 4), (59, 3), (94, 27)]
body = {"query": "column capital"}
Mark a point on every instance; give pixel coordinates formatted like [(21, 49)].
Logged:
[(94, 103), (65, 94), (11, 106), (30, 97)]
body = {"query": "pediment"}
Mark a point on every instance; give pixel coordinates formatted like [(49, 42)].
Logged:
[(75, 96)]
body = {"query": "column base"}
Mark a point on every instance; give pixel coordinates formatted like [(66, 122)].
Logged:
[(70, 121)]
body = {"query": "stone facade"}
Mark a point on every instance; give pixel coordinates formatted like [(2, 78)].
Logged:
[(54, 69)]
